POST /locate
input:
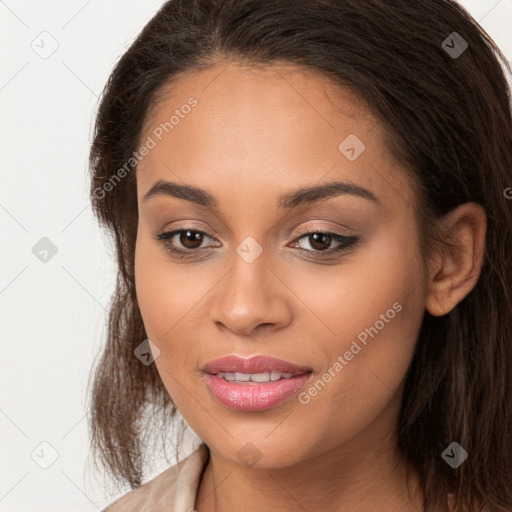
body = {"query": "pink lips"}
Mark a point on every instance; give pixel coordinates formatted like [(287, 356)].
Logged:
[(255, 364), (254, 396)]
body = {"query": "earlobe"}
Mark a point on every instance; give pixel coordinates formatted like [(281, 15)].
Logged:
[(457, 265)]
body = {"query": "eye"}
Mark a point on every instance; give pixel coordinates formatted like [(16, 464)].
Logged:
[(187, 242), (321, 242), (189, 239)]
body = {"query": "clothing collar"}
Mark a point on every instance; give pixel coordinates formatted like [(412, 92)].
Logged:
[(189, 475)]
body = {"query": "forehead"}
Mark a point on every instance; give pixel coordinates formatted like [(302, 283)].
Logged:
[(264, 129)]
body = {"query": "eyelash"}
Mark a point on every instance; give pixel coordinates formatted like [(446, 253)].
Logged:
[(346, 242)]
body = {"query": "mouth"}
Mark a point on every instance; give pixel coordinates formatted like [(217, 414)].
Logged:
[(256, 365), (254, 384), (255, 378)]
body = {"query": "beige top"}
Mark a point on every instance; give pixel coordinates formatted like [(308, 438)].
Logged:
[(173, 490)]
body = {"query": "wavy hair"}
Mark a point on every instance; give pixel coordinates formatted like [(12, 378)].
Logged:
[(447, 120)]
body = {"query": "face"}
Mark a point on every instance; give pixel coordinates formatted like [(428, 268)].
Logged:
[(331, 283)]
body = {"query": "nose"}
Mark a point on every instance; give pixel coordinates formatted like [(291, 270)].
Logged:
[(251, 297)]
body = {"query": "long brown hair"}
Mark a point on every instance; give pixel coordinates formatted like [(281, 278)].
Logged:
[(448, 117)]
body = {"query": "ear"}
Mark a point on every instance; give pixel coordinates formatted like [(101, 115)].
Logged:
[(456, 266)]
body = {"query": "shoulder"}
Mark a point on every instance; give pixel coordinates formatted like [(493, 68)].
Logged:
[(159, 493), (161, 488)]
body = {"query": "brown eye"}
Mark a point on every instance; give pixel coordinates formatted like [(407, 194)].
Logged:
[(189, 242), (183, 242), (191, 239), (320, 241)]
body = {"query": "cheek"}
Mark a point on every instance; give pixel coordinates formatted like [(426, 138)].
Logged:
[(373, 309), (152, 291), (162, 303), (159, 294), (164, 292), (169, 296), (345, 299)]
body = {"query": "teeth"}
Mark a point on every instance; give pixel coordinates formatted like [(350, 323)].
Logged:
[(254, 377)]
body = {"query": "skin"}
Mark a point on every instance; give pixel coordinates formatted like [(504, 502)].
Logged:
[(257, 133)]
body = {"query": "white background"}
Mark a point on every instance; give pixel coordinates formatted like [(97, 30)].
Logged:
[(53, 314)]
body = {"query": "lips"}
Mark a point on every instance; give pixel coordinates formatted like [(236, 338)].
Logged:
[(254, 397), (253, 365)]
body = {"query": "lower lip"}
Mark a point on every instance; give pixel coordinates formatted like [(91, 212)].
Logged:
[(255, 396)]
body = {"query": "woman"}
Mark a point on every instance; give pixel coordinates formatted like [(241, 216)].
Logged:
[(309, 205)]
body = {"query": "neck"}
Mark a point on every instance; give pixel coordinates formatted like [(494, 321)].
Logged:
[(358, 476)]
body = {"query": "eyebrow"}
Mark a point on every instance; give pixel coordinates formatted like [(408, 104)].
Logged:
[(292, 199)]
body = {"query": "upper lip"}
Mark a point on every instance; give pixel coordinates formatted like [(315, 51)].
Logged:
[(255, 364)]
